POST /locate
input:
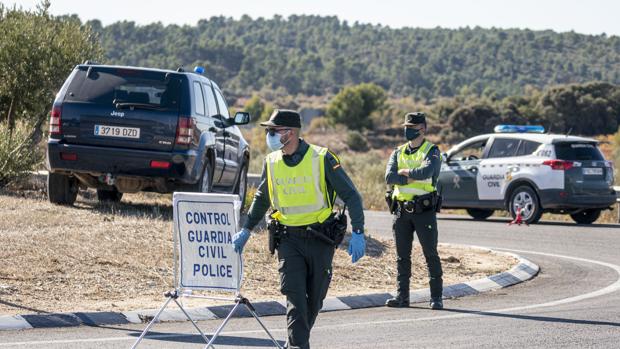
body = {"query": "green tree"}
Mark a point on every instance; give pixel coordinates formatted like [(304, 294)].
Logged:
[(255, 107), (353, 105), (37, 53)]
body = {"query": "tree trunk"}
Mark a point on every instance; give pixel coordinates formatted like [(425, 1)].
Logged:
[(9, 118)]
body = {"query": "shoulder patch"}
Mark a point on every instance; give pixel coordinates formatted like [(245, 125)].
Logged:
[(334, 161)]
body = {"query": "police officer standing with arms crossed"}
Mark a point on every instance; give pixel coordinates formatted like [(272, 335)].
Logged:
[(300, 181), (413, 169)]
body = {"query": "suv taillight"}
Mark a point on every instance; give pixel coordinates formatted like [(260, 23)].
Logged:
[(55, 119), (559, 164), (185, 130)]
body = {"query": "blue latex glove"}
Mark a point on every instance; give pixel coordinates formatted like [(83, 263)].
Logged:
[(357, 245), (240, 239)]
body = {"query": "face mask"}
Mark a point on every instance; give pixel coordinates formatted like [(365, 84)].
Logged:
[(275, 142), (411, 133)]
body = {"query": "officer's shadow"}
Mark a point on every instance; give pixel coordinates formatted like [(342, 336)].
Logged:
[(527, 317), (221, 340), (374, 247)]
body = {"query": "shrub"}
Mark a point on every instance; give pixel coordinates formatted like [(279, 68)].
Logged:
[(17, 155), (356, 141), (367, 171), (319, 124)]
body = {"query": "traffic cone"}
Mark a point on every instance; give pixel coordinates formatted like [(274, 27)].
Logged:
[(519, 219)]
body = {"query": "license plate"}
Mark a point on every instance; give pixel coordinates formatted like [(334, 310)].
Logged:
[(116, 131), (591, 171)]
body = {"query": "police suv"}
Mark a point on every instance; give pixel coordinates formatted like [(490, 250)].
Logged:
[(525, 171)]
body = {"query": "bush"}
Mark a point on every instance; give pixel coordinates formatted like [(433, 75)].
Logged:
[(17, 155), (367, 172), (353, 105), (356, 141), (320, 124)]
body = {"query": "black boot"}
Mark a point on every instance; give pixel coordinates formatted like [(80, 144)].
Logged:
[(436, 303), (400, 301)]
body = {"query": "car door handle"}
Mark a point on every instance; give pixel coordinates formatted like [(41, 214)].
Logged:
[(214, 129), (472, 168)]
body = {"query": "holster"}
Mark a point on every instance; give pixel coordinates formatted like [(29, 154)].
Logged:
[(274, 229), (439, 203), (333, 228), (391, 203)]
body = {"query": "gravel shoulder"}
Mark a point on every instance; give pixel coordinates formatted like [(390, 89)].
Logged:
[(102, 257)]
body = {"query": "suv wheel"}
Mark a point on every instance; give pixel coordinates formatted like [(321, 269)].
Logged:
[(479, 213), (105, 195), (525, 199), (205, 184), (242, 184), (61, 189), (586, 216)]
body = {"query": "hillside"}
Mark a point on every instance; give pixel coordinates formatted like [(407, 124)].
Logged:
[(313, 55)]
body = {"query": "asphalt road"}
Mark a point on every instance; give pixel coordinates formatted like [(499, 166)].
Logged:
[(573, 303)]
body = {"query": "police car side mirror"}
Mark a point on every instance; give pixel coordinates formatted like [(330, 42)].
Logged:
[(242, 118), (444, 157)]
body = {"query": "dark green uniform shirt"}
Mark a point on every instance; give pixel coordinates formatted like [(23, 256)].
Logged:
[(430, 169), (335, 178)]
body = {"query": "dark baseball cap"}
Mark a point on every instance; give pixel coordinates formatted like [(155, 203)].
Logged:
[(414, 119), (283, 117)]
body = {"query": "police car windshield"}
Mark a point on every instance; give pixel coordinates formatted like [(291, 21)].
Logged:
[(578, 152)]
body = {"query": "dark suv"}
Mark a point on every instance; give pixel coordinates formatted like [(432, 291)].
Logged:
[(125, 129)]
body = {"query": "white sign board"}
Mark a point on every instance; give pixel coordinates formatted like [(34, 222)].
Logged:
[(204, 225)]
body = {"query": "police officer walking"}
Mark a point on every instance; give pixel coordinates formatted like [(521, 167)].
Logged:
[(300, 181), (413, 169)]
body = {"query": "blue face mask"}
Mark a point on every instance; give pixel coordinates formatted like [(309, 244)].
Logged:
[(411, 133), (275, 142)]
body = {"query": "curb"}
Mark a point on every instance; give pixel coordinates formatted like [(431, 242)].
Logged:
[(523, 271)]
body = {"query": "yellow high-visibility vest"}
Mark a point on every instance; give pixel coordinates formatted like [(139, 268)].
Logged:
[(299, 193), (412, 161)]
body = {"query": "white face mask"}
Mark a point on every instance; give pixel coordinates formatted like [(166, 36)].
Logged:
[(275, 142)]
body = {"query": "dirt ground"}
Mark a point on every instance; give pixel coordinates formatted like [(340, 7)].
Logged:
[(101, 257)]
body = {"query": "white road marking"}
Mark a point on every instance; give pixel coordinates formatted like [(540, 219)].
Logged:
[(601, 292)]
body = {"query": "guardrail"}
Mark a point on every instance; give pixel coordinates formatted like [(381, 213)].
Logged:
[(617, 189), (254, 179)]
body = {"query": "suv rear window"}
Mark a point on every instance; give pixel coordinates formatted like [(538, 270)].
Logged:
[(578, 151), (109, 86)]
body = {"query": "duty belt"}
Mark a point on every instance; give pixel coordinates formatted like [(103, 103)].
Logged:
[(420, 204), (305, 231)]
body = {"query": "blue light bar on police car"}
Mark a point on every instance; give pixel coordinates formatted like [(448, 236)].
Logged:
[(519, 129), (199, 70)]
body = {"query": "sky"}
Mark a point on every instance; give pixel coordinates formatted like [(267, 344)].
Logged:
[(588, 17)]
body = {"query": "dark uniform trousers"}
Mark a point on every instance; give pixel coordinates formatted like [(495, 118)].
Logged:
[(425, 225), (305, 266)]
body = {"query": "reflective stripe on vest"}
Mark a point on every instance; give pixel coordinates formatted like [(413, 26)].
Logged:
[(299, 193), (412, 161)]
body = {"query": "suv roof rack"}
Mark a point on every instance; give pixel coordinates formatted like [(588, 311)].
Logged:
[(180, 69), (89, 62)]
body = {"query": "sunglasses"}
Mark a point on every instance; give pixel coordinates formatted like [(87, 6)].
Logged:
[(272, 131)]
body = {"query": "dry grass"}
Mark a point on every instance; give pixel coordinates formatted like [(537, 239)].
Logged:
[(95, 257)]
